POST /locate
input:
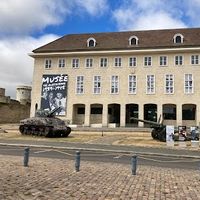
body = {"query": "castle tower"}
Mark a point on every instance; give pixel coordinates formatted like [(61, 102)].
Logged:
[(23, 94), (2, 92)]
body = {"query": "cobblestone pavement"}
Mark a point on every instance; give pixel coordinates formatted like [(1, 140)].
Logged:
[(49, 179)]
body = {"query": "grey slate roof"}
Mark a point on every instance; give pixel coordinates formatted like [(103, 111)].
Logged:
[(120, 40)]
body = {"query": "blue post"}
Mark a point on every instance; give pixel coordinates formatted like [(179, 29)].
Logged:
[(26, 156), (134, 164), (77, 161)]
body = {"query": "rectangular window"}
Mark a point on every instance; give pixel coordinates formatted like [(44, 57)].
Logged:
[(114, 84), (147, 61), (150, 87), (96, 111), (132, 84), (48, 63), (61, 63), (178, 60), (188, 84), (118, 62), (97, 84), (79, 84), (132, 61), (103, 62), (194, 59), (169, 83), (81, 110), (163, 60), (75, 63), (89, 62)]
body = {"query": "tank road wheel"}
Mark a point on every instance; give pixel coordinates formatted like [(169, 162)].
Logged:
[(26, 130), (41, 131), (21, 129), (46, 131), (33, 130)]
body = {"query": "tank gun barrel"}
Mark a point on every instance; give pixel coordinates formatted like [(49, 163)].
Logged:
[(52, 113), (147, 121)]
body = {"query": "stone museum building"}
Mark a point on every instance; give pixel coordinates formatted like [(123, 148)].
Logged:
[(105, 79)]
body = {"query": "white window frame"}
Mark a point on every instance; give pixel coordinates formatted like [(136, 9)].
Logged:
[(48, 63), (136, 40), (96, 84), (79, 84), (194, 59), (132, 84), (169, 84), (114, 84), (103, 62), (162, 61), (148, 62), (132, 61), (150, 88), (178, 59), (188, 84), (91, 39), (178, 35), (88, 62), (75, 63), (117, 61), (61, 62)]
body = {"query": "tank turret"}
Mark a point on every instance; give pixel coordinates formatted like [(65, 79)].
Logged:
[(44, 124)]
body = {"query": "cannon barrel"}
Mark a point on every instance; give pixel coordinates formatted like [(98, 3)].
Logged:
[(52, 113), (148, 122)]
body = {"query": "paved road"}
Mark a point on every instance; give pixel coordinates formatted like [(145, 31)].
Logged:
[(110, 157), (176, 152)]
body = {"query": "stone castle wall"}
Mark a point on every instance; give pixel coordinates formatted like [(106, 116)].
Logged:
[(13, 112)]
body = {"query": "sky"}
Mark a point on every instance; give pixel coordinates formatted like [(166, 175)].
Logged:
[(28, 24)]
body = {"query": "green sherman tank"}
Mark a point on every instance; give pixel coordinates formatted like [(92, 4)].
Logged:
[(44, 124)]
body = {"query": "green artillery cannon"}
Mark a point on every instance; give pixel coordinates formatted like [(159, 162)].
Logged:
[(158, 129)]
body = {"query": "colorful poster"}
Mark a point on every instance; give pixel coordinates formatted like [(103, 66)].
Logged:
[(54, 93), (182, 133)]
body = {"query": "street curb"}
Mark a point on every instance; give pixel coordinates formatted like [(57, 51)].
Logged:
[(102, 150)]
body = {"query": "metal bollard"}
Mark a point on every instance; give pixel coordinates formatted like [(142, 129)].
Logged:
[(26, 156), (77, 161), (134, 164)]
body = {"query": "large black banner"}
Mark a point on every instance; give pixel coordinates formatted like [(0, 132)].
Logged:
[(54, 93)]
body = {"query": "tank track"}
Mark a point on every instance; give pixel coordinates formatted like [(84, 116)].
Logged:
[(46, 131)]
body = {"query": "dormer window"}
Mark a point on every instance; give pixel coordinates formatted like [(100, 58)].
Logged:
[(178, 39), (91, 42), (133, 40)]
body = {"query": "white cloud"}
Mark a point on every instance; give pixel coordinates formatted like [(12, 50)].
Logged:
[(23, 16), (192, 12), (15, 65), (145, 14), (147, 21), (27, 16), (93, 7), (19, 19)]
